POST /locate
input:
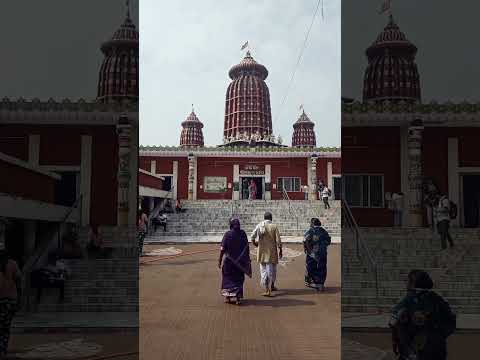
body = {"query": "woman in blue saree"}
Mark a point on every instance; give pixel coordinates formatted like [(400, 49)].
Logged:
[(316, 242), (235, 253)]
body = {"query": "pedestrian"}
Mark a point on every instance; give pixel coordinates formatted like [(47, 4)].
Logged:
[(144, 216), (422, 321), (397, 207), (178, 207), (10, 297), (442, 216), (326, 193), (321, 185), (236, 262), (267, 255), (316, 241), (252, 190), (161, 220)]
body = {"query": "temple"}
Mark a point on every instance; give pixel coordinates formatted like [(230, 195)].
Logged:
[(72, 167), (394, 143), (250, 152)]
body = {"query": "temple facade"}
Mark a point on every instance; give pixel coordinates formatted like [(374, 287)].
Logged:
[(394, 143), (250, 152)]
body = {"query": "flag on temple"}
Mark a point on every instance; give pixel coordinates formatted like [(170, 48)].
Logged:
[(386, 6), (301, 107), (244, 46)]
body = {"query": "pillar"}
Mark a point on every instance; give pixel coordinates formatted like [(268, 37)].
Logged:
[(123, 173), (191, 176), (453, 177), (175, 180), (30, 228), (236, 182), (3, 229), (415, 174), (268, 182), (86, 178), (313, 178)]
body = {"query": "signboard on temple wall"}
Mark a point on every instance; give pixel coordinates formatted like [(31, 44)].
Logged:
[(214, 184), (250, 169)]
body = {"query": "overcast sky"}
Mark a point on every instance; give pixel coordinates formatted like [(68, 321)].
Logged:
[(52, 48), (445, 33), (187, 48)]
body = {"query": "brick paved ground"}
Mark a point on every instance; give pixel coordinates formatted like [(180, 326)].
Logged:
[(377, 346), (182, 315)]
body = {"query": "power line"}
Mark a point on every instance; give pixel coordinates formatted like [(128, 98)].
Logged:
[(299, 58)]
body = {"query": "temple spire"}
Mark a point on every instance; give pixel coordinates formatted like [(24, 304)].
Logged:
[(128, 9)]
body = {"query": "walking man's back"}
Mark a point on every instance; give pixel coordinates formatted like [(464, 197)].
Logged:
[(267, 254)]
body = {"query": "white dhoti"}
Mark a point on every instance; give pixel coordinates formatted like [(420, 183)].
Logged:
[(268, 274)]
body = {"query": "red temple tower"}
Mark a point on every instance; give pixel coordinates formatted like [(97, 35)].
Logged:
[(391, 73), (247, 107), (192, 135), (303, 132), (118, 76)]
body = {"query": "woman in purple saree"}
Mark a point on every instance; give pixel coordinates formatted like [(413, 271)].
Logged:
[(236, 262)]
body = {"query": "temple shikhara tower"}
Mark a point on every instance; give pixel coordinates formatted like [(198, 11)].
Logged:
[(248, 114), (118, 75), (303, 132), (391, 73), (249, 153), (192, 135)]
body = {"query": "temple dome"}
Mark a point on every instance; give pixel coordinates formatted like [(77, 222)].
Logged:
[(391, 73), (191, 135), (118, 75), (247, 104), (303, 132)]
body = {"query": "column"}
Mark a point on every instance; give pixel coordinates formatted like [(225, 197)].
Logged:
[(3, 229), (175, 180), (453, 177), (30, 228), (268, 182), (313, 178), (404, 173), (330, 175), (415, 176), (123, 174), (191, 175), (33, 149), (153, 166), (195, 178), (86, 178), (236, 182)]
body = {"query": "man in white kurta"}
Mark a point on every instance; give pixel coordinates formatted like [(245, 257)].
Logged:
[(269, 251)]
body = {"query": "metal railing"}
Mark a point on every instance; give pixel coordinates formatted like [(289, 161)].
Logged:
[(32, 262), (361, 249), (290, 207)]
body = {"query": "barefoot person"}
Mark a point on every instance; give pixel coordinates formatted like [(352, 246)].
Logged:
[(422, 321), (267, 254), (316, 242), (236, 262)]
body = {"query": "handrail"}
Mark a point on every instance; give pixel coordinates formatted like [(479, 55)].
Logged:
[(33, 260), (290, 208), (360, 246)]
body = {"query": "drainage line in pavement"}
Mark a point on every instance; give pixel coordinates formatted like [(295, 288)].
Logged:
[(178, 255)]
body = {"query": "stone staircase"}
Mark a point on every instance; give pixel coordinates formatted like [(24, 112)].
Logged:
[(210, 217), (96, 284), (456, 272)]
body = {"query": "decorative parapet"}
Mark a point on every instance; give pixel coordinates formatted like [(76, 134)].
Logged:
[(79, 105), (239, 151), (416, 108)]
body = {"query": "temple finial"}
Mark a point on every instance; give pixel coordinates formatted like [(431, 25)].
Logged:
[(128, 9)]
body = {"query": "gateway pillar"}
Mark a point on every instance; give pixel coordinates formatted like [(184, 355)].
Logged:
[(191, 177), (268, 182), (313, 178), (236, 182), (415, 213)]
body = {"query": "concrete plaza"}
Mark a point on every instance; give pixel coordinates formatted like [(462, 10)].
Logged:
[(182, 315)]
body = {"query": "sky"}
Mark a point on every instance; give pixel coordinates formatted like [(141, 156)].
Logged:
[(445, 33), (187, 48), (52, 48)]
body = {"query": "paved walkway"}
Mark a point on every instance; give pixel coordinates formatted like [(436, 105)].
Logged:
[(215, 239), (182, 315)]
